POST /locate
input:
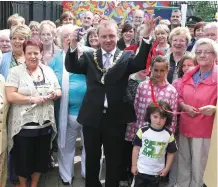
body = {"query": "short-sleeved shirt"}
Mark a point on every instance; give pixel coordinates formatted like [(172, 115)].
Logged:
[(154, 145), (19, 78)]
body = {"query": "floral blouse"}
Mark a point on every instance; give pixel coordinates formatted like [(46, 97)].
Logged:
[(143, 98)]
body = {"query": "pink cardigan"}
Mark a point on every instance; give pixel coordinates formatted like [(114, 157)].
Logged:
[(198, 96)]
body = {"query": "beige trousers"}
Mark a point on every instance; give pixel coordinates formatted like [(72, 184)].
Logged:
[(192, 159), (3, 169)]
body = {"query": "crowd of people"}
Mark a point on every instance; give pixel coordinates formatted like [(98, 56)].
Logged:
[(142, 94)]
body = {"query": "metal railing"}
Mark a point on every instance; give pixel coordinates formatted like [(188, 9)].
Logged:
[(30, 10)]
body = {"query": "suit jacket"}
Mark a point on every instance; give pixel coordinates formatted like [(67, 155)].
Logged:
[(116, 80)]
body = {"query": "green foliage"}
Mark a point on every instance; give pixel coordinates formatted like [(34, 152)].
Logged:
[(205, 9)]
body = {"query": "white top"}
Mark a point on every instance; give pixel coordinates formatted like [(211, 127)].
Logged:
[(18, 77), (154, 145)]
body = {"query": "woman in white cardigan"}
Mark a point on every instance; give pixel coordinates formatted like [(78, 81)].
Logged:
[(31, 88)]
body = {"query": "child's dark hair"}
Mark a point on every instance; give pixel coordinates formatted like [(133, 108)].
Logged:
[(152, 108), (186, 56)]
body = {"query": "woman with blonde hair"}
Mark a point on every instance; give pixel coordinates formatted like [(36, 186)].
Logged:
[(47, 35), (161, 35), (15, 57)]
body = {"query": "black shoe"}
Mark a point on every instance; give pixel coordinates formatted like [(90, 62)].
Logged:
[(65, 183)]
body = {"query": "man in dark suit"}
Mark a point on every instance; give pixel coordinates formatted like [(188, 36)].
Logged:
[(103, 113)]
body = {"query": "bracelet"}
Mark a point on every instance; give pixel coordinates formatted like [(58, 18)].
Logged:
[(30, 100)]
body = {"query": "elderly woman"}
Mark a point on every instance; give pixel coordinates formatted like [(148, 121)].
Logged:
[(34, 27), (31, 88), (5, 45), (128, 32), (73, 89), (47, 34), (18, 36), (92, 39), (179, 39), (198, 98), (3, 131), (67, 18), (210, 31)]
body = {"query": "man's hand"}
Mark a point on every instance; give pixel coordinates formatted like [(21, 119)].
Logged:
[(149, 23), (75, 37)]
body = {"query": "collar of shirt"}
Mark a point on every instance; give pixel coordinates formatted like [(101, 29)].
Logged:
[(112, 52), (197, 77)]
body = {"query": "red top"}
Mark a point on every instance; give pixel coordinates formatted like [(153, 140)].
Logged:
[(153, 52)]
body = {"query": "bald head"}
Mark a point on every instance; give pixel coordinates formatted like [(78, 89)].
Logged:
[(5, 45), (87, 19), (138, 17)]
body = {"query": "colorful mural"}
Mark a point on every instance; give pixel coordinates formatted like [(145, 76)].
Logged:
[(119, 11)]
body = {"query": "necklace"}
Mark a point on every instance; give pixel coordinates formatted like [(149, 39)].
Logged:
[(105, 70), (35, 78)]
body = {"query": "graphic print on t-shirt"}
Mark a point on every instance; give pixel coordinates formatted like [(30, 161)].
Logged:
[(153, 149)]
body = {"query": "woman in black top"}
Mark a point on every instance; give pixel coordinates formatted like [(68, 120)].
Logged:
[(128, 32)]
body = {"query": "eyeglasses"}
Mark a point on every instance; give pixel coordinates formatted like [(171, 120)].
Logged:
[(207, 53)]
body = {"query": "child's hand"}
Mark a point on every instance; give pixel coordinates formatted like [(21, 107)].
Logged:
[(134, 170), (164, 172)]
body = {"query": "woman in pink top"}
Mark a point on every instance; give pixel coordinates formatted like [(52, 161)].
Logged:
[(162, 91), (197, 99)]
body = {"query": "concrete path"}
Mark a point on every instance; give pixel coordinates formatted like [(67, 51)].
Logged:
[(52, 179)]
